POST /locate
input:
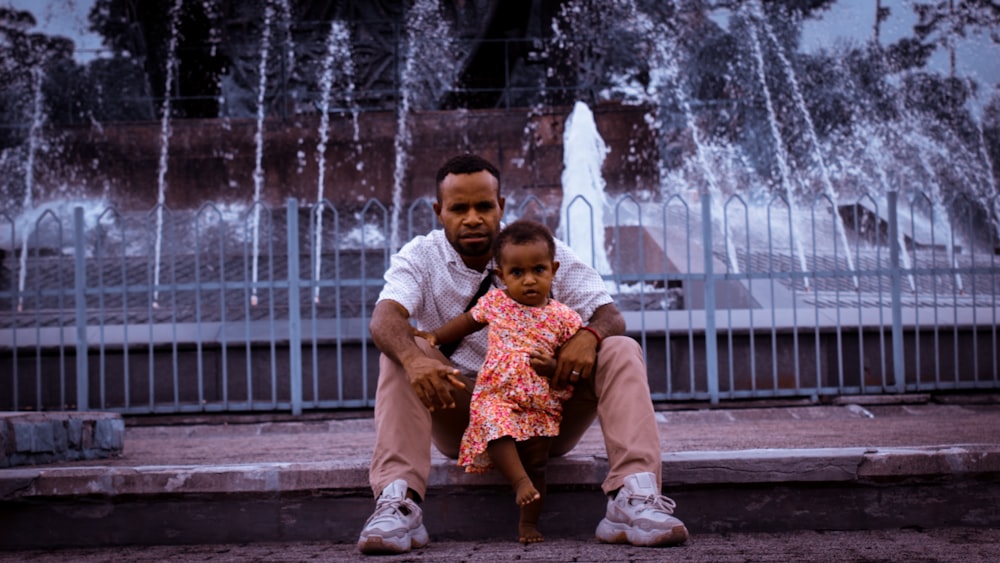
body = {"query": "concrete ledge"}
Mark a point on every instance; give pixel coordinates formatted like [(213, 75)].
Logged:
[(680, 470), (739, 491), (37, 438), (880, 467)]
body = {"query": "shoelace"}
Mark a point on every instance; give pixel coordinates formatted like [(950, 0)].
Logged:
[(654, 502), (388, 508)]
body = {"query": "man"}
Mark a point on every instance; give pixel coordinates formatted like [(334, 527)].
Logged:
[(422, 396)]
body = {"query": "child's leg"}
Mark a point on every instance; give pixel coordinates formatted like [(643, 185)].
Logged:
[(504, 455), (534, 454)]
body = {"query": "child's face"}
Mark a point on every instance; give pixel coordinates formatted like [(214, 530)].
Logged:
[(527, 270)]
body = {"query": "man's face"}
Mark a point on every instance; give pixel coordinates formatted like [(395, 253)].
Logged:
[(470, 210)]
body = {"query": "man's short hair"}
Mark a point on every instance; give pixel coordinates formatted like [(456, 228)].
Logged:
[(524, 231), (467, 163)]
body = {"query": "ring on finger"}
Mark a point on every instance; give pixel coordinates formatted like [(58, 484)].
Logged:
[(575, 372)]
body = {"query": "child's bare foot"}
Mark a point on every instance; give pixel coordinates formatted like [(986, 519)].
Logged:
[(528, 533), (527, 522), (525, 492)]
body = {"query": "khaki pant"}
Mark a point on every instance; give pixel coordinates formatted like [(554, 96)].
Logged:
[(618, 396)]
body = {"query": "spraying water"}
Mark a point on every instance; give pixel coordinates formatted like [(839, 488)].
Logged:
[(810, 129), (34, 137), (667, 76), (338, 49), (401, 144), (584, 150), (779, 146), (988, 164), (285, 16), (258, 171), (161, 181), (874, 147), (430, 67), (938, 212)]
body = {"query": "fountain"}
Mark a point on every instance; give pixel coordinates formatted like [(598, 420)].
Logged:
[(428, 68), (785, 156), (810, 128), (584, 203), (258, 171), (784, 174), (37, 117), (748, 169), (338, 50), (161, 177)]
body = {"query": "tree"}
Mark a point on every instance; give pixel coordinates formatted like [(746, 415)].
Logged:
[(26, 60), (138, 32), (941, 22)]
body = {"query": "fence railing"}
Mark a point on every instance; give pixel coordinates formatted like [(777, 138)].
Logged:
[(261, 309)]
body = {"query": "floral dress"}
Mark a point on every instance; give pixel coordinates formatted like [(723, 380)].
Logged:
[(510, 399)]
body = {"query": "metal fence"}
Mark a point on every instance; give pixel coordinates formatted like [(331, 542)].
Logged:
[(261, 309)]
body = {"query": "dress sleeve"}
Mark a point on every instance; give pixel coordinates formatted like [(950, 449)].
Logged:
[(485, 308)]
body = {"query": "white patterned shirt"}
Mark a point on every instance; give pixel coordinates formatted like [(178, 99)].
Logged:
[(428, 278)]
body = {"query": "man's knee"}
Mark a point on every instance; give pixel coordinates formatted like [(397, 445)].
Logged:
[(614, 346)]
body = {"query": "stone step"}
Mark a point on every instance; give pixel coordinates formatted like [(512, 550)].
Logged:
[(306, 480)]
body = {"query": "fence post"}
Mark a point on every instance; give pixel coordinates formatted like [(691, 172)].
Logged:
[(711, 346), (898, 373), (80, 298), (294, 313)]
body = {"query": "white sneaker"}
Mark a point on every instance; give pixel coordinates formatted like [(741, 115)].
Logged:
[(396, 526), (641, 516)]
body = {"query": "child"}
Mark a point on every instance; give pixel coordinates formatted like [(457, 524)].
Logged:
[(514, 411)]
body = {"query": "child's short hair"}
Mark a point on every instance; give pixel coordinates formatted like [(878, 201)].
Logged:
[(524, 231)]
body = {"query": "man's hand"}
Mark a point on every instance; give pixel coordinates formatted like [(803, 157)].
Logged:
[(577, 360), (431, 378), (432, 381)]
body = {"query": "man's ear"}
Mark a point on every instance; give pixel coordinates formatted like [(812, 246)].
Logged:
[(437, 211)]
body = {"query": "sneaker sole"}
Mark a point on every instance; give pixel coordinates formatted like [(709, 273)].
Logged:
[(374, 544), (612, 532)]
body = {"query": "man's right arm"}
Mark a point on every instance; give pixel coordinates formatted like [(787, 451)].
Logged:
[(391, 331), (431, 379)]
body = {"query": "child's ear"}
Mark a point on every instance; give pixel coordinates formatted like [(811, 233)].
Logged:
[(498, 273), (555, 267)]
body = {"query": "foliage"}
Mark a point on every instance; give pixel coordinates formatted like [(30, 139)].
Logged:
[(26, 59), (137, 32), (940, 22)]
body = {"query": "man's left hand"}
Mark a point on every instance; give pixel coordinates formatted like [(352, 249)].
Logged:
[(577, 360)]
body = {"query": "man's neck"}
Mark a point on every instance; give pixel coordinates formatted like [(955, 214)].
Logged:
[(477, 264)]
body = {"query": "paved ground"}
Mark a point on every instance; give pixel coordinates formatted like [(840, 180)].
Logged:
[(965, 545)]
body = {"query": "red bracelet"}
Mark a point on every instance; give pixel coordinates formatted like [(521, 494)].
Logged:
[(594, 332)]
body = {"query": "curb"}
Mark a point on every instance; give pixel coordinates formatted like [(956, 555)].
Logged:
[(680, 470)]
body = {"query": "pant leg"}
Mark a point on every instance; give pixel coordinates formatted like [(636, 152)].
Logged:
[(404, 429), (618, 395)]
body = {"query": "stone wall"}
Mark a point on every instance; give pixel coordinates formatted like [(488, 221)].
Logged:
[(33, 438), (214, 160)]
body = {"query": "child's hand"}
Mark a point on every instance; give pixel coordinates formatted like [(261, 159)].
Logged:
[(428, 336), (543, 364)]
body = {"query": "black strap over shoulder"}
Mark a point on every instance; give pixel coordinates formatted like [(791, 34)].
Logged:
[(484, 286)]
